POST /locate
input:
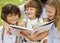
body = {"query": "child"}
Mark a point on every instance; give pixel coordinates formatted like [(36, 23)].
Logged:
[(53, 13), (10, 14), (33, 10), (22, 9)]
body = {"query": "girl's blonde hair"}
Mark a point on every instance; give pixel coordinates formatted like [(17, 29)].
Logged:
[(56, 5)]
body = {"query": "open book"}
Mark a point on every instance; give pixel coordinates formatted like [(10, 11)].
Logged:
[(41, 27)]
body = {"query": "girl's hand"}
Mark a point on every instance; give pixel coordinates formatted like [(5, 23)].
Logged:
[(21, 24)]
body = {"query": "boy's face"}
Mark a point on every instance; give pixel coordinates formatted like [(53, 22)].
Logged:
[(50, 12), (30, 12), (12, 18)]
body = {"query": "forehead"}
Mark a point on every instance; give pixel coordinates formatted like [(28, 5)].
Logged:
[(50, 7), (31, 8), (13, 14)]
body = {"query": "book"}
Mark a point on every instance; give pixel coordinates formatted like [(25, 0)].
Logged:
[(40, 27)]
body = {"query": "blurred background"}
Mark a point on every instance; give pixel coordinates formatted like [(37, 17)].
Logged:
[(17, 2)]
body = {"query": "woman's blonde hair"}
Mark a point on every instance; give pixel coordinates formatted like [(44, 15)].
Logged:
[(56, 5)]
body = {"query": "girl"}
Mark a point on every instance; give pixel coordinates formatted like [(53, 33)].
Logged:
[(53, 13), (22, 9), (33, 10), (10, 14)]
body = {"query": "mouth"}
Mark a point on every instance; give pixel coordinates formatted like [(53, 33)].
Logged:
[(29, 14), (13, 20), (50, 17)]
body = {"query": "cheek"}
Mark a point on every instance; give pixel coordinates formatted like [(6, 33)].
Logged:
[(53, 15), (26, 11), (34, 12), (8, 19), (17, 17)]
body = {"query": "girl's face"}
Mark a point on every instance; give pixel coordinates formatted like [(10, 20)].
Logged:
[(51, 11), (31, 12), (12, 18)]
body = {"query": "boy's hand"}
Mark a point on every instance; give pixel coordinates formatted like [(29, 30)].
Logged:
[(7, 27)]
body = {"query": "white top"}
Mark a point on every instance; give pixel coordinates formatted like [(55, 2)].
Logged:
[(53, 35), (31, 23), (1, 34)]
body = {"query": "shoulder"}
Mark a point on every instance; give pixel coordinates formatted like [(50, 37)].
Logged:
[(40, 20), (1, 27), (25, 19), (21, 6)]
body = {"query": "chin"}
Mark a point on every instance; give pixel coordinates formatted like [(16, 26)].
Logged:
[(13, 23), (50, 18)]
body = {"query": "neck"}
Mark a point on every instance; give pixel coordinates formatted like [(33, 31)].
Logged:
[(32, 18)]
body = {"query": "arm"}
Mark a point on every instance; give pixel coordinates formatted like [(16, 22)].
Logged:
[(41, 36), (22, 23), (46, 20), (35, 37)]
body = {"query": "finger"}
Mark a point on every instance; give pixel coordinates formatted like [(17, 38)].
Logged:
[(8, 32)]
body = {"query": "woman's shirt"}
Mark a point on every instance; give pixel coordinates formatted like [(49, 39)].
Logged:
[(53, 35)]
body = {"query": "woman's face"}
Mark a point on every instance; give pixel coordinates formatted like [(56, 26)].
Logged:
[(30, 12), (12, 18), (50, 11)]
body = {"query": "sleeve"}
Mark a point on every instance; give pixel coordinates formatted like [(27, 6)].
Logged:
[(25, 20), (40, 20), (22, 11), (51, 34), (43, 13)]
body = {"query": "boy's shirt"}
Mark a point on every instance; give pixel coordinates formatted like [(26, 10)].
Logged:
[(1, 28), (9, 38)]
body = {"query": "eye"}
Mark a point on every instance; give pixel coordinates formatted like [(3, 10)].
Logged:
[(32, 8), (9, 15), (27, 9), (48, 11)]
